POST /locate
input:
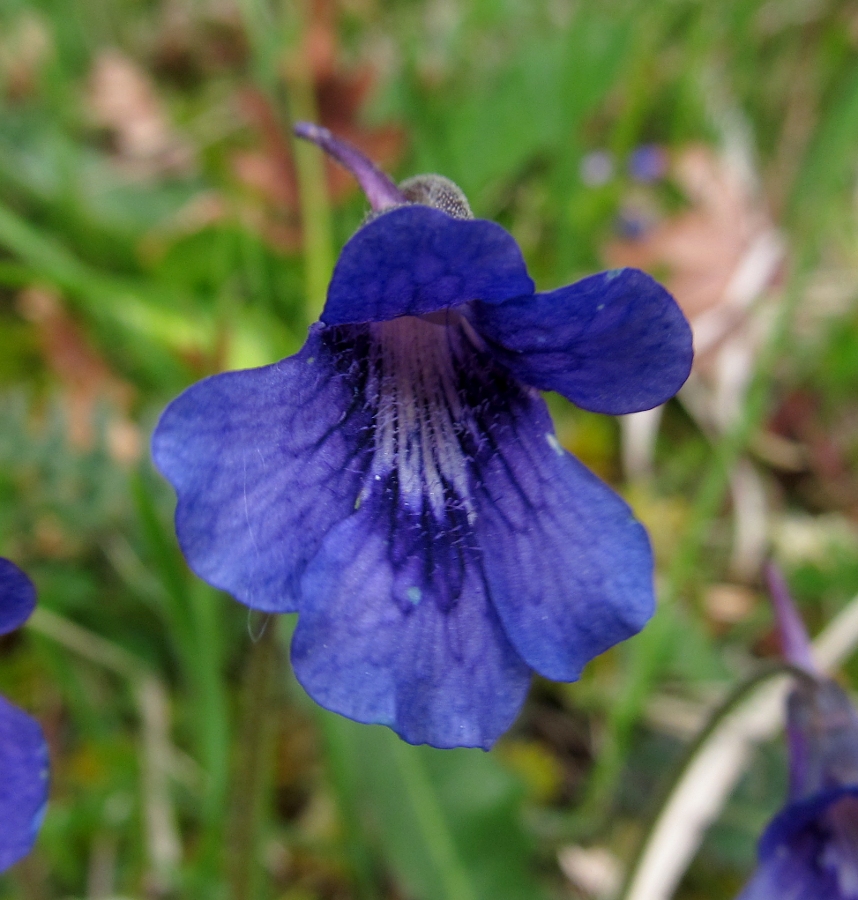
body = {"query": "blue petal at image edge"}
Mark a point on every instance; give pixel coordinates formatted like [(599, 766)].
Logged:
[(264, 463), (612, 343), (17, 597), (568, 567), (23, 782), (416, 260), (799, 854)]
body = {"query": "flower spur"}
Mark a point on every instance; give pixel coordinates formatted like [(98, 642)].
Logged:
[(398, 482), (23, 752)]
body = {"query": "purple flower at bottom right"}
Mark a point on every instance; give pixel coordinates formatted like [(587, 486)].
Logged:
[(810, 849)]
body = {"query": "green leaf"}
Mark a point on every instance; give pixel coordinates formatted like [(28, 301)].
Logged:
[(828, 170), (448, 822)]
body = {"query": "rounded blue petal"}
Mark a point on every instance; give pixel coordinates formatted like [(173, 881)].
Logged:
[(23, 782), (808, 850), (795, 817), (568, 568), (264, 463), (794, 874), (17, 597), (416, 260), (396, 629), (612, 343)]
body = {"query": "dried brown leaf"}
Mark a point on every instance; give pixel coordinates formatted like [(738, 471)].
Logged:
[(123, 100), (196, 40), (721, 254), (86, 382), (25, 46), (341, 91)]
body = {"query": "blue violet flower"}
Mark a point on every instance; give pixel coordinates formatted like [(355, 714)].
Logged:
[(810, 849), (23, 751), (648, 163), (398, 482)]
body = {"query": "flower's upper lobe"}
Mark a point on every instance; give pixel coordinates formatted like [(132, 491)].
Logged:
[(399, 484), (23, 752)]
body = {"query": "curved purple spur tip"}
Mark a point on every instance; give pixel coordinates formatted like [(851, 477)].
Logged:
[(794, 640), (379, 188)]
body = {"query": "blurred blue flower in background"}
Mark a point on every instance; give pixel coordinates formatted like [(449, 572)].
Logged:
[(596, 168), (810, 849), (399, 484), (648, 163), (23, 751)]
